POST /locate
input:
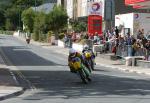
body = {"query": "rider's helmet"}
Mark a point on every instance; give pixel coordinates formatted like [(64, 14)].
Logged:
[(72, 52), (87, 54), (86, 47)]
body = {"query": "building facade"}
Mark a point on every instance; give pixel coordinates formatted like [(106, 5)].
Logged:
[(79, 10)]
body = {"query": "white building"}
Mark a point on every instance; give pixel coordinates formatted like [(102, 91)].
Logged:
[(70, 8)]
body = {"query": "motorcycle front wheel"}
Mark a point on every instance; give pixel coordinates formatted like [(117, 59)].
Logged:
[(83, 76)]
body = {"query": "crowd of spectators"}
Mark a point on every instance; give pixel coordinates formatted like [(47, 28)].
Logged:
[(122, 45), (128, 45)]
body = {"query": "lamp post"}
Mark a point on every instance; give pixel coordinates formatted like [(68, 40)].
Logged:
[(35, 4)]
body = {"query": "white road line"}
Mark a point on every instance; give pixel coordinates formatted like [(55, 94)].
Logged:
[(17, 71)]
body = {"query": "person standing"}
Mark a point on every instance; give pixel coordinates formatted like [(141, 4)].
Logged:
[(147, 46), (117, 32), (129, 44), (66, 40)]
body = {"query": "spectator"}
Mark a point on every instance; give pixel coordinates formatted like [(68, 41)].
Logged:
[(74, 37), (129, 44), (86, 36), (66, 40), (96, 38), (134, 47), (147, 46), (116, 32)]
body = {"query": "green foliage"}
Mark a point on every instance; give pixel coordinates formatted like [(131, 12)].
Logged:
[(50, 33), (36, 35), (42, 37), (2, 20), (13, 16), (28, 16), (61, 36), (7, 32), (57, 19), (8, 25), (10, 12), (27, 3), (79, 26), (39, 24)]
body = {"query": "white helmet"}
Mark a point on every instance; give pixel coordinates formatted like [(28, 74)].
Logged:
[(72, 51), (86, 47)]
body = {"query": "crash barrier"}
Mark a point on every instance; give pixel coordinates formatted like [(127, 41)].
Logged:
[(132, 60), (143, 63), (98, 48), (127, 50)]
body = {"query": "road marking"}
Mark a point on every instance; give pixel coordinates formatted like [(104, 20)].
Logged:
[(5, 59)]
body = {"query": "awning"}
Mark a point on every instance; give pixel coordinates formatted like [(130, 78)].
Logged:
[(139, 4)]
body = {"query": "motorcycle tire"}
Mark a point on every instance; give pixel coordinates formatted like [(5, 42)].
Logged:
[(92, 64), (83, 76)]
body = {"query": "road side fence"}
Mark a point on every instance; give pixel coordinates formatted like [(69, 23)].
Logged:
[(127, 50)]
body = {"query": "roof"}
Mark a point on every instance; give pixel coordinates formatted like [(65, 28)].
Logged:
[(47, 7)]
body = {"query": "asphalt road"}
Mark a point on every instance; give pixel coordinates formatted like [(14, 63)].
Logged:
[(45, 75)]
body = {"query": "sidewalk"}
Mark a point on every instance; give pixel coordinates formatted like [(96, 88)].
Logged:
[(9, 86)]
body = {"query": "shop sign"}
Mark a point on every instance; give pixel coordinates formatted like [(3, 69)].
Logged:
[(95, 8)]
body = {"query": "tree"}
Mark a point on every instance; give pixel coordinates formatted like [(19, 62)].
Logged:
[(10, 12), (39, 25), (8, 25), (27, 3), (79, 26), (57, 19), (28, 16), (12, 15), (2, 19)]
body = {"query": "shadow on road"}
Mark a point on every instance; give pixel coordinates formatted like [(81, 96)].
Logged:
[(63, 84), (6, 78), (22, 56)]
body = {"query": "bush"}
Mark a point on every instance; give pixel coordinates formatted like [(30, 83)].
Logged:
[(61, 36), (36, 35), (49, 34), (7, 32), (42, 37)]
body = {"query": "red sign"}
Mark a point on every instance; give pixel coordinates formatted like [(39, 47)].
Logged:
[(129, 2), (94, 24)]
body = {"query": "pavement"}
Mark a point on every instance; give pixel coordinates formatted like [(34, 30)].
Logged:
[(9, 86)]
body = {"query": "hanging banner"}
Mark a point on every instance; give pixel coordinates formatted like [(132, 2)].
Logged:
[(95, 8)]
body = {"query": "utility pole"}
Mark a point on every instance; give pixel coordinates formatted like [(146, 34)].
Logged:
[(35, 4)]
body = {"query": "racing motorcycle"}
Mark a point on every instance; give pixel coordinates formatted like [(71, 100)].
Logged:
[(89, 60), (80, 69)]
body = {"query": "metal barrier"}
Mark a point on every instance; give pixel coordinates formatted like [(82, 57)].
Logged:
[(127, 50)]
